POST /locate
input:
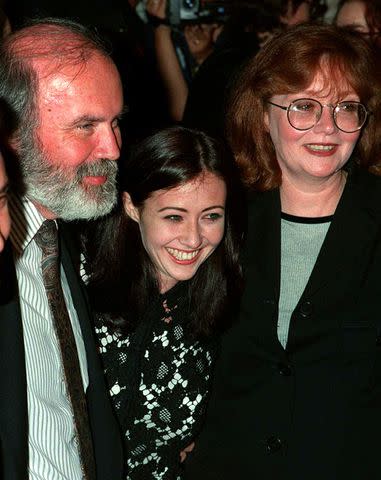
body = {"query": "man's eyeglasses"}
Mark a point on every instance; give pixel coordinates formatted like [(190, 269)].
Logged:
[(304, 114)]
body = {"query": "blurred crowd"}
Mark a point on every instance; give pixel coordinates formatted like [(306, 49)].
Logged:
[(160, 46)]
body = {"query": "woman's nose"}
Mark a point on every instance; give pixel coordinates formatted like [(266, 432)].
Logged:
[(326, 121), (191, 236)]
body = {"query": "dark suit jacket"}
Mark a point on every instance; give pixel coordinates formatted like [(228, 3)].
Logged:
[(13, 398), (312, 412)]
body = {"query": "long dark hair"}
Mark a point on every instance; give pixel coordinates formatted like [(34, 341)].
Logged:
[(123, 279)]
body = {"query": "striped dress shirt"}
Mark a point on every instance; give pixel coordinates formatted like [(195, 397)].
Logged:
[(53, 452)]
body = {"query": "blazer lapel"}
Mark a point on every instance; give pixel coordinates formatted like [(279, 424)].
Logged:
[(353, 229), (262, 252), (342, 263), (262, 268)]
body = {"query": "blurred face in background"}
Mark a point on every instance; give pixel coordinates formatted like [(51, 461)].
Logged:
[(294, 16), (352, 14), (201, 38), (5, 223)]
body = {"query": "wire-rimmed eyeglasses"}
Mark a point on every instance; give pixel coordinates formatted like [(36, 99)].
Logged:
[(304, 113)]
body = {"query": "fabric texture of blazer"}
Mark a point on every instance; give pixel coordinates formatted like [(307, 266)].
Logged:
[(311, 411), (13, 393)]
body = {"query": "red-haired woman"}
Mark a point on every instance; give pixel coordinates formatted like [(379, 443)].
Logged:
[(298, 385)]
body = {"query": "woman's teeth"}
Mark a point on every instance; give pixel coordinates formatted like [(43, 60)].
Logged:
[(181, 255), (326, 148)]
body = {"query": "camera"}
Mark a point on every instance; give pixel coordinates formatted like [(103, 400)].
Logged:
[(195, 11)]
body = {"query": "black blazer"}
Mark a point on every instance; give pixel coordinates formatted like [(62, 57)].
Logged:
[(312, 412), (13, 397)]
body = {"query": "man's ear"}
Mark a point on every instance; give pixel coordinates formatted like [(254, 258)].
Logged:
[(13, 144), (129, 207)]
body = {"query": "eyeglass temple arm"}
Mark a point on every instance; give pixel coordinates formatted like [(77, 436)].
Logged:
[(276, 105)]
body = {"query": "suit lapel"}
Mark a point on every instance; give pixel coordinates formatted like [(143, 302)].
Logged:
[(71, 262), (13, 398), (105, 432)]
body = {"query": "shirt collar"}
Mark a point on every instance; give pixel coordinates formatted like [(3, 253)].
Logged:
[(26, 221)]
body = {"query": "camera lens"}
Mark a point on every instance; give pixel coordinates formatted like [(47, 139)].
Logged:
[(189, 4)]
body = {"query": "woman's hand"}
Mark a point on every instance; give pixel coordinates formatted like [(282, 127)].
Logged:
[(183, 453)]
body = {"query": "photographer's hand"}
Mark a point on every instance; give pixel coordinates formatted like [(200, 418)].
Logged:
[(167, 61), (157, 8)]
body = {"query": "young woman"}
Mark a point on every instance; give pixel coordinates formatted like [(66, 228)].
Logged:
[(164, 277)]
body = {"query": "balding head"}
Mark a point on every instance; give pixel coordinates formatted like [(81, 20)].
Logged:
[(38, 50), (54, 41)]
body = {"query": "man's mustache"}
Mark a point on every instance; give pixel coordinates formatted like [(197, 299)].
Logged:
[(101, 167)]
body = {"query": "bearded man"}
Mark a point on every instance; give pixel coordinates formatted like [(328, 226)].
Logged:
[(65, 95)]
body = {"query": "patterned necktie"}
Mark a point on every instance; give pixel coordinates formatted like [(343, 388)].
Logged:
[(47, 239)]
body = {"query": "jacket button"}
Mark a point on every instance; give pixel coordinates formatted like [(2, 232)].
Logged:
[(285, 369), (269, 301), (306, 309), (273, 444)]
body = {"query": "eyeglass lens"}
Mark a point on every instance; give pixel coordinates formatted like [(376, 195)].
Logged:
[(303, 114)]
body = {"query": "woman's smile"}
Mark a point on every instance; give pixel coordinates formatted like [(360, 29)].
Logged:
[(183, 256)]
